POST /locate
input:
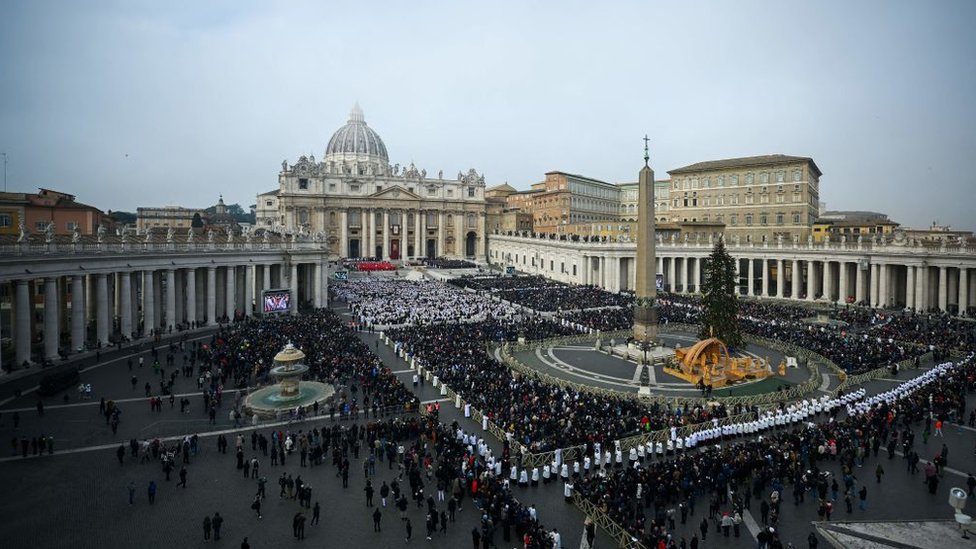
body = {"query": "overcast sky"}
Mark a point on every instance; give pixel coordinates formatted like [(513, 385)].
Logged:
[(130, 104)]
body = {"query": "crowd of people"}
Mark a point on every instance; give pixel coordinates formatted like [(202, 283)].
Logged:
[(334, 354), (541, 415), (445, 263), (645, 497), (541, 294), (394, 302)]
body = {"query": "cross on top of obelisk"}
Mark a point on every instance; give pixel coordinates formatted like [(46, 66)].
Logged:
[(647, 156)]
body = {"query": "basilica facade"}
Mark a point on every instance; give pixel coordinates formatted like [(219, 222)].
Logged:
[(364, 206)]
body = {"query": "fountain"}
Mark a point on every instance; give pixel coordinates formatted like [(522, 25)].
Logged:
[(290, 392)]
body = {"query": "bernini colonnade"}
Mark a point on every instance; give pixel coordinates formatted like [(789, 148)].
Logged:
[(881, 274), (92, 293)]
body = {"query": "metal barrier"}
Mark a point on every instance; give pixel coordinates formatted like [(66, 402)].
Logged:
[(607, 524)]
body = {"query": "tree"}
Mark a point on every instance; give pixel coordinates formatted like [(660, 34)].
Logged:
[(720, 304)]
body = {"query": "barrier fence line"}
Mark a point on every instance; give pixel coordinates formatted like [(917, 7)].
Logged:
[(607, 524)]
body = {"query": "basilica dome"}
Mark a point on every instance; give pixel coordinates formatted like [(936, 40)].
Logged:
[(356, 142)]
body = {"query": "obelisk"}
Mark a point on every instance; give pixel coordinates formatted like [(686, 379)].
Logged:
[(645, 315)]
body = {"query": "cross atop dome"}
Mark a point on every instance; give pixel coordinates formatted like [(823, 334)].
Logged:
[(356, 115)]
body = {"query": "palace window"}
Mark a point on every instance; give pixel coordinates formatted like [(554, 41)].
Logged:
[(763, 219), (779, 219), (354, 218), (5, 220), (796, 175), (71, 225), (796, 219), (303, 183), (470, 192), (269, 203), (749, 179), (735, 180), (39, 226), (764, 177), (780, 175), (748, 219)]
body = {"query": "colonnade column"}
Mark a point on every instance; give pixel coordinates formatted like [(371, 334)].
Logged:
[(683, 274), (780, 278), (671, 270), (943, 288), (795, 280), (698, 261), (77, 313), (826, 282), (293, 284), (148, 303), (101, 308), (417, 234), (170, 300), (191, 296), (125, 304), (874, 284), (811, 280), (764, 266), (317, 285), (910, 286), (249, 276), (858, 283), (22, 328), (883, 285), (752, 277), (842, 282), (51, 332), (921, 288), (963, 290), (230, 286), (211, 296)]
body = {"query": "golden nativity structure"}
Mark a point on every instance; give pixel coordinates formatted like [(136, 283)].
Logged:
[(708, 362)]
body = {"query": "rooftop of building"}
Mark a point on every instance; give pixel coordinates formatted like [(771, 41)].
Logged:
[(746, 162)]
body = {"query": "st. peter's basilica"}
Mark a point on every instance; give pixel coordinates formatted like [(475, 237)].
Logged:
[(367, 207)]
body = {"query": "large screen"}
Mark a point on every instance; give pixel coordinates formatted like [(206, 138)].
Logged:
[(276, 301)]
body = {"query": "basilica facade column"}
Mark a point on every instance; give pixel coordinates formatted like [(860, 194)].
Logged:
[(101, 308), (22, 327), (125, 303), (51, 331), (386, 234), (441, 229), (211, 296), (78, 313), (459, 226), (344, 232), (418, 236)]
